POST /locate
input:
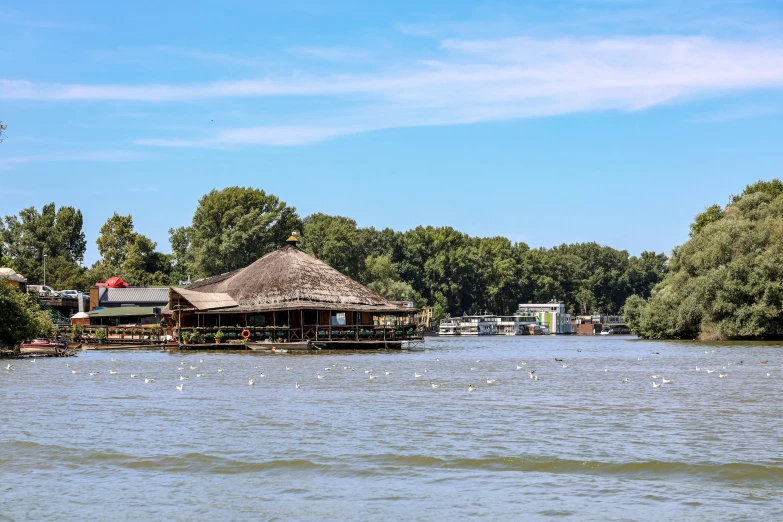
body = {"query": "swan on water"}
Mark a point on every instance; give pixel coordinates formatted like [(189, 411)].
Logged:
[(656, 385), (181, 387)]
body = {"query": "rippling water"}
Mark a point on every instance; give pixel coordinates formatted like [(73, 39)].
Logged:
[(578, 443)]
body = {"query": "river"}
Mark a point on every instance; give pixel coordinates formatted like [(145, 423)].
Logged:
[(577, 443)]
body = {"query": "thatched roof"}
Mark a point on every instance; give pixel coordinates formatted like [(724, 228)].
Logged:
[(290, 279), (202, 300)]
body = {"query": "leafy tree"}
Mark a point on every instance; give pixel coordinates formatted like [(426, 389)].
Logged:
[(54, 232), (20, 317), (129, 254), (726, 282), (233, 227), (333, 240)]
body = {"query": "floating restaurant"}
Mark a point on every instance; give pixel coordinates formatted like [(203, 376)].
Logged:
[(288, 297)]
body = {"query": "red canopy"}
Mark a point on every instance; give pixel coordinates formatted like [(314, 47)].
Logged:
[(113, 282)]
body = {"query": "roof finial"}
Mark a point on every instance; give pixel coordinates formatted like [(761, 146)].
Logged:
[(292, 240)]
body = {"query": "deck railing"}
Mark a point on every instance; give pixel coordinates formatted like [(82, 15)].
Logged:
[(311, 332)]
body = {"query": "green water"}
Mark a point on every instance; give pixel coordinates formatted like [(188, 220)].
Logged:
[(578, 443)]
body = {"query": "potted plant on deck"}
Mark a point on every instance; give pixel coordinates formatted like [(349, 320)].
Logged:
[(219, 335), (100, 335), (196, 338), (185, 336)]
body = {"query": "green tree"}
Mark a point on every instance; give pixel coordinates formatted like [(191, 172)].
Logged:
[(333, 240), (726, 282), (20, 317), (57, 233), (235, 226), (130, 255)]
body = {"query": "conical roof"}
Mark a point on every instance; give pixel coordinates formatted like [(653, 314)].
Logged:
[(288, 275)]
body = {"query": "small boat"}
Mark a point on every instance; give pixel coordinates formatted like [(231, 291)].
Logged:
[(43, 344), (606, 330)]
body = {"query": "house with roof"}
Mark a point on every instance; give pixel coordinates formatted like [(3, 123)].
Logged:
[(114, 303), (290, 296), (12, 278)]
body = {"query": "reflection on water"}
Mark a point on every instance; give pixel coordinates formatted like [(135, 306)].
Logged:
[(579, 441)]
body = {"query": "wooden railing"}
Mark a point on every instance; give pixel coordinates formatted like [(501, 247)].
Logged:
[(309, 333)]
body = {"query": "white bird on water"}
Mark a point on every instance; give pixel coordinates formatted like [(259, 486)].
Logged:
[(181, 387), (251, 382), (667, 381), (530, 373), (288, 368), (471, 387), (133, 375), (606, 369), (710, 371), (33, 360), (94, 373), (655, 376), (416, 374), (220, 370), (722, 375), (199, 375), (491, 381), (565, 366), (297, 386), (147, 380), (656, 385), (180, 368), (625, 381), (183, 378), (368, 371), (261, 375), (318, 376), (388, 373), (201, 360), (113, 372), (769, 374), (9, 367), (74, 371), (192, 367), (434, 386), (373, 377)]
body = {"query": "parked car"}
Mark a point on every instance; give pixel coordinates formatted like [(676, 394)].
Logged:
[(42, 291), (73, 294)]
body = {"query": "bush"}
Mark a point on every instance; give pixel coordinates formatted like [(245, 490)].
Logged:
[(21, 317), (196, 338), (76, 332)]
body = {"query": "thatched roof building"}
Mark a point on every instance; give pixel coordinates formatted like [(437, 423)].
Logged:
[(288, 278), (286, 287)]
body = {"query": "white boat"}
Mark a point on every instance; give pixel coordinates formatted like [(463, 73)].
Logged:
[(607, 330), (448, 326)]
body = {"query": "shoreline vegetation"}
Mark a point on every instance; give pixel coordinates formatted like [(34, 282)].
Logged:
[(724, 283)]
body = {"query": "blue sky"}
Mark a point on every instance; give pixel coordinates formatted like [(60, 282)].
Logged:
[(613, 121)]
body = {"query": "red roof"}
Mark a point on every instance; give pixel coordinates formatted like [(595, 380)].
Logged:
[(113, 282)]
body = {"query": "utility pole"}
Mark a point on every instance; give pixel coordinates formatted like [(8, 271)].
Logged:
[(44, 269)]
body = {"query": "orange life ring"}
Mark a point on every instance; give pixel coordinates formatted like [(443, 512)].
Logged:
[(245, 334)]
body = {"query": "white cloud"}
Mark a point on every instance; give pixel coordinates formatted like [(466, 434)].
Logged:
[(470, 80)]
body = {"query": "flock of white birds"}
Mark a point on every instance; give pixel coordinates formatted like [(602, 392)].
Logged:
[(200, 371)]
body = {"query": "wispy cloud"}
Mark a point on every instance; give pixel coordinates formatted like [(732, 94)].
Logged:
[(100, 156), (469, 80), (740, 112)]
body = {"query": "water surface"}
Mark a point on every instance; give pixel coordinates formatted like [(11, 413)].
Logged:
[(578, 443)]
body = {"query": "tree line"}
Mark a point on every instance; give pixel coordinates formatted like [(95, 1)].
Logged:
[(439, 266), (726, 281)]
